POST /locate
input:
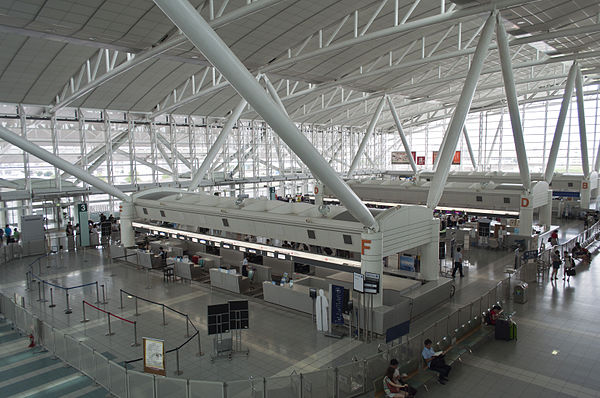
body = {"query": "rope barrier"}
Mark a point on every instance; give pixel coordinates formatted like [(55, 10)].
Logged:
[(109, 313)]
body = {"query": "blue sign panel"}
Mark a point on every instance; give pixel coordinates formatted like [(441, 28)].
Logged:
[(395, 332), (565, 194), (337, 304), (407, 263)]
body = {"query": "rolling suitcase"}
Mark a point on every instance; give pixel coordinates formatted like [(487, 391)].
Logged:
[(513, 331), (502, 330)]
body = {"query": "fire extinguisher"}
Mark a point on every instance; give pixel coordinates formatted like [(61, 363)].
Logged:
[(31, 341)]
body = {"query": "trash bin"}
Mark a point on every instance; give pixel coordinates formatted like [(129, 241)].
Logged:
[(521, 293)]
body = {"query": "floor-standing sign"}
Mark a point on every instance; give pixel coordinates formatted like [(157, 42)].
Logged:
[(371, 286), (154, 356), (322, 312), (358, 286), (82, 220)]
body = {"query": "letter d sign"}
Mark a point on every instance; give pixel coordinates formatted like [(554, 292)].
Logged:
[(364, 245), (524, 202)]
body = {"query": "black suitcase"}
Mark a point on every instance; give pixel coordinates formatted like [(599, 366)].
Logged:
[(502, 330)]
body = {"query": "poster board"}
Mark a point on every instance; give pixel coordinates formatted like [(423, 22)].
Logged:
[(455, 159), (337, 305), (154, 356), (358, 285), (400, 157)]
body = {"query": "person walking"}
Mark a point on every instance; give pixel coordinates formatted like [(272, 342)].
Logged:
[(556, 263), (8, 233), (458, 263)]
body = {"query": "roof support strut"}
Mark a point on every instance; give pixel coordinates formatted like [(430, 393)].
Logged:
[(185, 16), (363, 143), (585, 162), (460, 114), (513, 103), (469, 147), (562, 116), (402, 136), (54, 160)]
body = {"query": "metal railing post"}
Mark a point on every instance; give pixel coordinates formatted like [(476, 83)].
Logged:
[(44, 292), (39, 291), (52, 305), (68, 309), (121, 298), (200, 353), (110, 332), (135, 341), (163, 315), (178, 371), (22, 301), (97, 294), (187, 326), (103, 295), (83, 307)]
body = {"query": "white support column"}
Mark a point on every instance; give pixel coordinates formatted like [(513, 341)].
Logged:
[(469, 147), (430, 268), (127, 233), (460, 115), (413, 165), (187, 18), (562, 116), (46, 156), (585, 163), (371, 260), (597, 164), (513, 103), (526, 214), (363, 143), (273, 93)]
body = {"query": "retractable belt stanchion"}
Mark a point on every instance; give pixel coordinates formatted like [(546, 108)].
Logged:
[(163, 315), (44, 292), (68, 309), (121, 298), (83, 307), (187, 326), (200, 353), (97, 294), (52, 305), (39, 291), (135, 342), (103, 295), (110, 332), (22, 301), (178, 371)]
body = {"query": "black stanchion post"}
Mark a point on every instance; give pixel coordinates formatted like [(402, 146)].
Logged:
[(163, 314), (22, 301), (27, 280), (52, 305), (178, 371), (97, 294), (136, 307), (135, 342), (121, 298), (103, 295), (68, 309), (39, 291), (110, 333), (187, 326), (83, 307)]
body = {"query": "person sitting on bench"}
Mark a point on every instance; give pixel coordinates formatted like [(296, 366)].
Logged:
[(392, 389), (435, 361), (401, 378), (495, 314), (581, 252)]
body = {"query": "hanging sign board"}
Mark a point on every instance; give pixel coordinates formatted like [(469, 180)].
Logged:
[(154, 356), (401, 158), (420, 160), (455, 159)]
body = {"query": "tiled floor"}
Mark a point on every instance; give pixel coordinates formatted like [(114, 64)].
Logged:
[(560, 317)]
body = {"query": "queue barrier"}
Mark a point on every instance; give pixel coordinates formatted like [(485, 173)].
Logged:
[(347, 380), (108, 315), (30, 276)]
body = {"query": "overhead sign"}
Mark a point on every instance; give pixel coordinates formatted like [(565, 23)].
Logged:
[(565, 194), (359, 280), (420, 160), (154, 356), (400, 157), (455, 158)]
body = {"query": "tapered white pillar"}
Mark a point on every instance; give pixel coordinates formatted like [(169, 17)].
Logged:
[(363, 143), (127, 215), (546, 212), (187, 18), (460, 115), (526, 215), (413, 165), (513, 103), (217, 145), (371, 260), (430, 264), (585, 163), (562, 116)]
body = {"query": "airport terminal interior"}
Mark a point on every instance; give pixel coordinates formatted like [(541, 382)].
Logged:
[(294, 198)]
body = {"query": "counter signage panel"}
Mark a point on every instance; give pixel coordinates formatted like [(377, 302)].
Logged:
[(358, 285), (371, 283), (337, 304)]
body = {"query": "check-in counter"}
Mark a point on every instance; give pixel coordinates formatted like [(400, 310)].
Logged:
[(232, 282), (185, 269), (261, 274), (296, 297)]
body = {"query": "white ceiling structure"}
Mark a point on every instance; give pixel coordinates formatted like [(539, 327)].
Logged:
[(329, 60)]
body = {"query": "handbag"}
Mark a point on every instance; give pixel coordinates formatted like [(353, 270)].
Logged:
[(571, 271)]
